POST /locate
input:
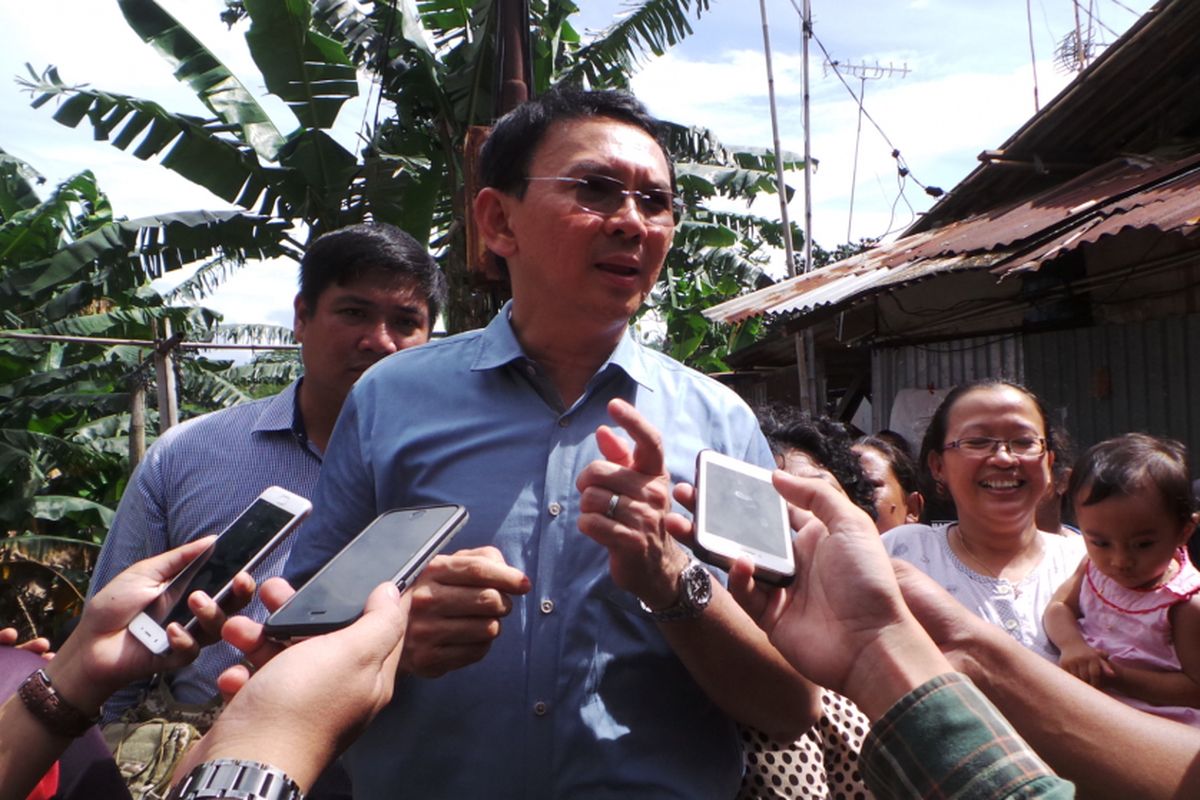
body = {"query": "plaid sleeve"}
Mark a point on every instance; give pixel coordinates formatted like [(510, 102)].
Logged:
[(944, 739)]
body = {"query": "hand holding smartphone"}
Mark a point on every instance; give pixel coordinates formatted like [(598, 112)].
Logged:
[(739, 514), (242, 546), (395, 547)]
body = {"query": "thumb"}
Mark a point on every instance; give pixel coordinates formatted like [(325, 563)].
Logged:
[(613, 447)]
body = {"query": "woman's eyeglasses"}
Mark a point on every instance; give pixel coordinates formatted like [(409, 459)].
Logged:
[(603, 195), (1020, 447)]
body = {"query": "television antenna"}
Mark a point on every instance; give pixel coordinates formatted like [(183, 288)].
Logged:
[(864, 72)]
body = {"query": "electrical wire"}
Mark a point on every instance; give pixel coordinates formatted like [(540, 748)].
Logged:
[(1119, 4), (903, 171)]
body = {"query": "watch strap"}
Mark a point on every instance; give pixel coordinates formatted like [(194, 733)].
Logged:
[(238, 780), (688, 603), (44, 702)]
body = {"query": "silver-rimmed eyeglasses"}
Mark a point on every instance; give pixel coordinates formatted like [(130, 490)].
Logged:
[(604, 195), (1019, 447)]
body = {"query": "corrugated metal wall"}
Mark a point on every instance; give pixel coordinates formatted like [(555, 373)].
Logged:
[(940, 365), (1118, 378), (1100, 381)]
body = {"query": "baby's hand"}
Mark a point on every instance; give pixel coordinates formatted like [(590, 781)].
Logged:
[(1087, 664)]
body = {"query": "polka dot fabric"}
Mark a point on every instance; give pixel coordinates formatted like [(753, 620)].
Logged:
[(821, 764)]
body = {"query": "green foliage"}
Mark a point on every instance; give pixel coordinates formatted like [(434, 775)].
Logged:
[(717, 254), (68, 267)]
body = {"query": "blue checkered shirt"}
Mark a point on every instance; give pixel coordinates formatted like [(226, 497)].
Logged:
[(193, 482)]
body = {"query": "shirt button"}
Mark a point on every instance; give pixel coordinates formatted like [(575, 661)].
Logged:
[(539, 708), (1004, 588), (563, 422), (530, 370), (547, 606), (1012, 624), (555, 509)]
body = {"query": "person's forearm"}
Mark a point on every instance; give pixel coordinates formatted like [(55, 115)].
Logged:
[(300, 756), (944, 739), (27, 749), (1154, 687), (901, 658), (1062, 627), (1107, 748), (741, 671)]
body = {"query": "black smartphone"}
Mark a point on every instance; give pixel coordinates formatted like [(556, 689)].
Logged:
[(395, 547), (739, 514), (242, 546)]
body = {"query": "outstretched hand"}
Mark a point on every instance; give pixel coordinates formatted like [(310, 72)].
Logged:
[(643, 557), (843, 622), (305, 703), (100, 656)]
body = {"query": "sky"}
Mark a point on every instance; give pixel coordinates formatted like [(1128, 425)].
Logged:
[(969, 85)]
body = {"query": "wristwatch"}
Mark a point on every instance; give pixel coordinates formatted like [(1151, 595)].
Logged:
[(238, 780), (44, 702), (695, 590)]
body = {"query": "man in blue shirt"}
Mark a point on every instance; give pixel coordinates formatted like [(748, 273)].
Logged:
[(620, 666), (365, 291)]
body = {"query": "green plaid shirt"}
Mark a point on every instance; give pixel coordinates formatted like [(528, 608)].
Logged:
[(945, 740)]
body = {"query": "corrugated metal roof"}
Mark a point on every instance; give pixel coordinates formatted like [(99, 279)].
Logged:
[(1136, 95), (1122, 194)]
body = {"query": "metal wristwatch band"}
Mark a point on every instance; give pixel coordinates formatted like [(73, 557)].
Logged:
[(44, 702), (238, 780), (695, 590)]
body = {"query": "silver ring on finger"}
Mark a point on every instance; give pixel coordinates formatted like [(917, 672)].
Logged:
[(611, 511)]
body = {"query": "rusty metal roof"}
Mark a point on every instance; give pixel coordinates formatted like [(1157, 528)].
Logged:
[(1138, 94), (1125, 193)]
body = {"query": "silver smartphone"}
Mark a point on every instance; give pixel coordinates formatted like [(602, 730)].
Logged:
[(740, 514), (241, 546), (395, 547)]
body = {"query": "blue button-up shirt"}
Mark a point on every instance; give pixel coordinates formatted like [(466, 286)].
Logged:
[(195, 480), (580, 696)]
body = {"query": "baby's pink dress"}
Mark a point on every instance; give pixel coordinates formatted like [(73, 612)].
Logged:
[(1133, 626)]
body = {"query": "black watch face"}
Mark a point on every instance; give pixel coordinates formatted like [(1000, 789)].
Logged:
[(699, 586)]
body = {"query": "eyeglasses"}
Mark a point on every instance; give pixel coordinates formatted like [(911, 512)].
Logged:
[(603, 195), (1020, 447)]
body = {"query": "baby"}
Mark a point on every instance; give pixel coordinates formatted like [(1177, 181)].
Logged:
[(1128, 620)]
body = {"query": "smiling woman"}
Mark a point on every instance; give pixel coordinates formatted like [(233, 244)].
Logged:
[(989, 451)]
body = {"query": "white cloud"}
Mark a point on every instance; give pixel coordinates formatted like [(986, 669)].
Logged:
[(970, 88), (939, 124)]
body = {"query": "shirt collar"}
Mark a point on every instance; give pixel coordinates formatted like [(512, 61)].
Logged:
[(281, 412), (498, 346)]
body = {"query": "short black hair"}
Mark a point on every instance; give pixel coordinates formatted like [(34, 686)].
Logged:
[(898, 460), (506, 155), (1127, 464), (826, 441), (344, 255)]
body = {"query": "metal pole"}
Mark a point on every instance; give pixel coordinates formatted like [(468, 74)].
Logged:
[(807, 27), (780, 185), (862, 94)]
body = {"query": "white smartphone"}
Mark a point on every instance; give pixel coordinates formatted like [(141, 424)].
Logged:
[(739, 514), (395, 547), (241, 546)]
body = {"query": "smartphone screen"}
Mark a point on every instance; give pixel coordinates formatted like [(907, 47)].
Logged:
[(739, 514), (217, 565), (744, 509), (395, 547)]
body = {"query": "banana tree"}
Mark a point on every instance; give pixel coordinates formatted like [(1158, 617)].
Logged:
[(431, 62), (70, 269)]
